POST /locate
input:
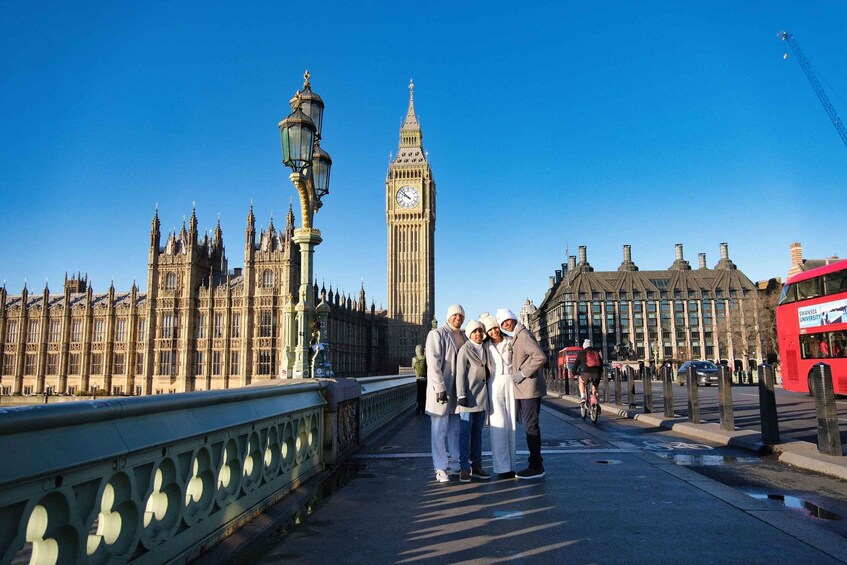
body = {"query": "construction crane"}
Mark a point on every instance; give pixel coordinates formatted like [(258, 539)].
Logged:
[(813, 80)]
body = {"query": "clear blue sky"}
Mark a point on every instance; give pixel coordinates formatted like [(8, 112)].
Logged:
[(547, 123)]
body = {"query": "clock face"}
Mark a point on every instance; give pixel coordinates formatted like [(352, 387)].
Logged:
[(408, 197)]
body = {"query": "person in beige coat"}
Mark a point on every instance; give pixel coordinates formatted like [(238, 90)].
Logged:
[(527, 360), (472, 400), (442, 348)]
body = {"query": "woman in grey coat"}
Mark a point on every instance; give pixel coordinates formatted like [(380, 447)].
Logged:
[(472, 401)]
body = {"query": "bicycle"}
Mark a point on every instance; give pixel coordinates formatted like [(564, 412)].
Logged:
[(591, 407)]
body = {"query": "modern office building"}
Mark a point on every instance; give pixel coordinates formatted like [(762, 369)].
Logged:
[(678, 313)]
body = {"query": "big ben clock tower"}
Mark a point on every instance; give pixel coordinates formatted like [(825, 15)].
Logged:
[(410, 214)]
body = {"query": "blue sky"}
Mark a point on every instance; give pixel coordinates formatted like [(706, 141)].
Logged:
[(547, 124)]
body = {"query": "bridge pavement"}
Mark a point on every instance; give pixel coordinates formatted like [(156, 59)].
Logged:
[(602, 501)]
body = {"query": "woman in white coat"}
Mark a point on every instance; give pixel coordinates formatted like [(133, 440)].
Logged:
[(501, 398)]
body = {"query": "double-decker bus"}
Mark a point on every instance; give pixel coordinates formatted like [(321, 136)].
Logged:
[(811, 325), (566, 359)]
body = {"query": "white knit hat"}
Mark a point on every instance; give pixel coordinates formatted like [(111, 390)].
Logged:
[(472, 326), (455, 309), (586, 344), (488, 322), (504, 314)]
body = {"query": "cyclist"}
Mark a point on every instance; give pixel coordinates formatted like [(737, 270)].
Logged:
[(589, 367)]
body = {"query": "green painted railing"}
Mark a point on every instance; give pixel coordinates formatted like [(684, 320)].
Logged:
[(158, 479)]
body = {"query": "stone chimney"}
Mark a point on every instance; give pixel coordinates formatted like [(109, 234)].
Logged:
[(627, 264), (571, 263), (725, 262), (679, 262), (583, 255), (702, 257)]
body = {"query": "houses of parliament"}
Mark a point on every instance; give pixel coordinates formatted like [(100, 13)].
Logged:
[(201, 325)]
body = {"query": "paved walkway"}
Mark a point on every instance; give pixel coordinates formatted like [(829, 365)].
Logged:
[(602, 501)]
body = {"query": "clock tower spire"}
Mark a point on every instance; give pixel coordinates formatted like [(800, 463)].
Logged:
[(410, 215)]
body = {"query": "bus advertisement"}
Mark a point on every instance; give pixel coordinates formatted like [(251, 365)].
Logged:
[(811, 325)]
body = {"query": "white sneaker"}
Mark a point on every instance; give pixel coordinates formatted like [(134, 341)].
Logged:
[(441, 476)]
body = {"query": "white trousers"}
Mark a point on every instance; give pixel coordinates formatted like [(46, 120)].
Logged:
[(445, 436), (502, 423)]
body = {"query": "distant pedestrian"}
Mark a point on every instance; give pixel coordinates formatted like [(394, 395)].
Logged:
[(503, 413), (530, 388), (419, 365), (472, 399), (442, 347)]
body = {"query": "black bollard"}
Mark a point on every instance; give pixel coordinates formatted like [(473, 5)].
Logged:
[(829, 439), (693, 396), (567, 379), (647, 383), (618, 399), (604, 376), (767, 405), (667, 385), (725, 398), (630, 381)]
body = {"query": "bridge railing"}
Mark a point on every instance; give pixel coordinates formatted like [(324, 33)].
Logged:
[(157, 479)]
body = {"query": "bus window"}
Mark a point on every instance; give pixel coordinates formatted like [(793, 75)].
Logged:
[(839, 344), (789, 294), (810, 346), (809, 289), (835, 282)]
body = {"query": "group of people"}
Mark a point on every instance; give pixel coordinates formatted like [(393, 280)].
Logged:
[(491, 372)]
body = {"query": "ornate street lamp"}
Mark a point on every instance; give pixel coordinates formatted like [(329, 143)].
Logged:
[(310, 165)]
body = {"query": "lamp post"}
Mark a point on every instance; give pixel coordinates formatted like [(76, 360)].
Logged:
[(300, 135)]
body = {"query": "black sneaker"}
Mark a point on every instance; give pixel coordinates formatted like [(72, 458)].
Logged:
[(480, 473), (465, 476), (530, 473), (506, 475)]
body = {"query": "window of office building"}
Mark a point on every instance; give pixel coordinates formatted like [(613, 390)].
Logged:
[(52, 364), (142, 329), (199, 365), (168, 325), (233, 363), (139, 363), (216, 362)]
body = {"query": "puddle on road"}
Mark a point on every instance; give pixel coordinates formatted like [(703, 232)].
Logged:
[(699, 460), (609, 461), (808, 508)]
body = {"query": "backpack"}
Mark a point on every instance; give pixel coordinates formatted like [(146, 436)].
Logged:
[(592, 358)]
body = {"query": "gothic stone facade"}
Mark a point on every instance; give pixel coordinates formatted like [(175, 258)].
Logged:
[(199, 326), (675, 314)]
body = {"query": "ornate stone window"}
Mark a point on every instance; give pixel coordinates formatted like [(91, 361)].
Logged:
[(268, 279), (170, 281)]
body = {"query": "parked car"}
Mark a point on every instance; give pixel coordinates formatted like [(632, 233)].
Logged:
[(707, 372)]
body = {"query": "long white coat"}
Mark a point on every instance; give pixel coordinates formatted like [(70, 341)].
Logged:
[(503, 415)]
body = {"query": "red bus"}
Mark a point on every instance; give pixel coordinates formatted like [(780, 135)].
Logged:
[(567, 356), (811, 326)]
